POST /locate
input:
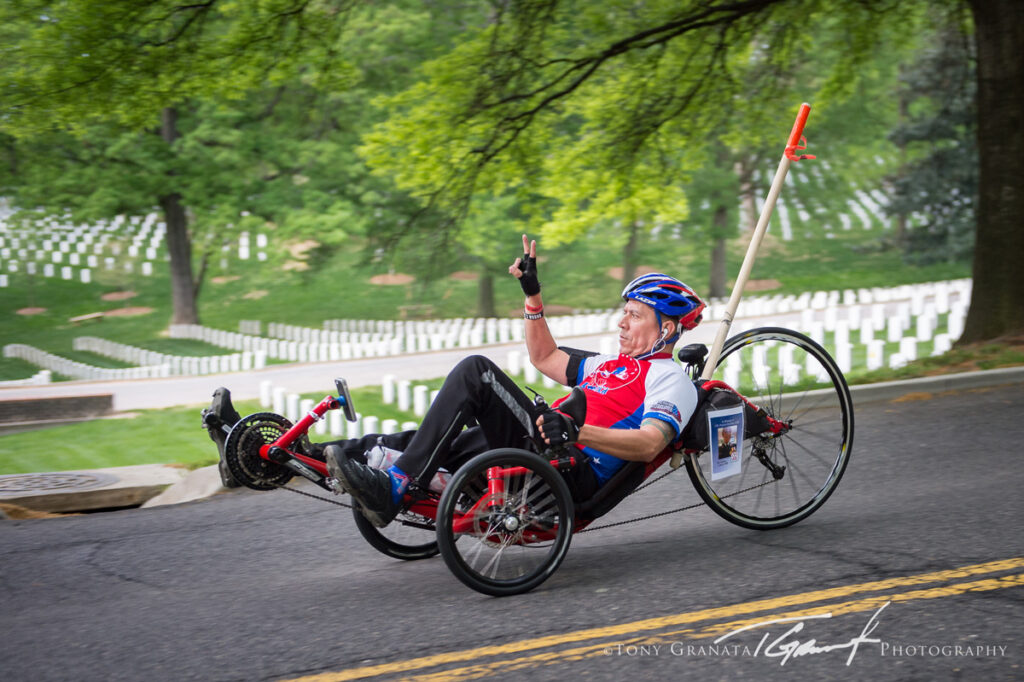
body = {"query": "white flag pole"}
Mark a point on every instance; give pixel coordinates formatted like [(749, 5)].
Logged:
[(755, 241), (793, 145)]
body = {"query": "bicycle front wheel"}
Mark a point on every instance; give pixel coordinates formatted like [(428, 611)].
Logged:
[(782, 478), (513, 513)]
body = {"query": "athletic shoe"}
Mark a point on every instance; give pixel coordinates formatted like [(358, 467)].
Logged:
[(370, 487)]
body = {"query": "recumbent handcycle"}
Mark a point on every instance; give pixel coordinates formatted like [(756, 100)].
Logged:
[(504, 520)]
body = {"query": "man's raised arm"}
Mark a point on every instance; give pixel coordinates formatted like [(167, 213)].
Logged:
[(544, 353)]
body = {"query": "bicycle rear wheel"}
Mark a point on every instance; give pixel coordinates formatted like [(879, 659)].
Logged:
[(507, 542), (795, 381)]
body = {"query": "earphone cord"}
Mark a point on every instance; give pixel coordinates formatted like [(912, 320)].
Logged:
[(657, 347)]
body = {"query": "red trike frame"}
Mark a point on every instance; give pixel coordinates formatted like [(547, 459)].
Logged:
[(466, 521)]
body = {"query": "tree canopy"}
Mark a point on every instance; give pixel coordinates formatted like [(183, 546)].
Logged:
[(478, 119)]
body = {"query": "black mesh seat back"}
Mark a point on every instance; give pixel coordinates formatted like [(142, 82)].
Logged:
[(625, 481)]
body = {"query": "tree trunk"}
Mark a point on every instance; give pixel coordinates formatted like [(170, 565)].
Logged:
[(629, 254), (485, 296), (901, 218), (179, 244), (719, 274), (997, 298), (748, 203)]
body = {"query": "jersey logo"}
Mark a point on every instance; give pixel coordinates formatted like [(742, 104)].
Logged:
[(612, 374), (665, 407)]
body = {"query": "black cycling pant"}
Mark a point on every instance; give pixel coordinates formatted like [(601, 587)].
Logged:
[(475, 392)]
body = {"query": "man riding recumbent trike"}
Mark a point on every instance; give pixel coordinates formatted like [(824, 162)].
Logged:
[(525, 476)]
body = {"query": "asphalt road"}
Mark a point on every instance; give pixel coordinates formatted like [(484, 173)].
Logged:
[(253, 586)]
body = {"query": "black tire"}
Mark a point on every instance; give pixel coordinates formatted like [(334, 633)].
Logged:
[(409, 537), (497, 558), (242, 451), (814, 452)]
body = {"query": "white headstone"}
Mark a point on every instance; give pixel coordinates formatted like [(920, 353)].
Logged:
[(404, 394), (292, 407), (420, 396), (266, 393), (876, 354), (894, 329), (941, 344), (853, 317), (878, 316), (844, 357), (530, 373), (842, 333), (925, 327), (354, 429), (908, 348), (867, 331), (514, 366), (955, 321), (336, 422)]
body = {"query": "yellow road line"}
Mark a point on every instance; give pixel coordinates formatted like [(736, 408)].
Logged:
[(601, 649), (650, 624)]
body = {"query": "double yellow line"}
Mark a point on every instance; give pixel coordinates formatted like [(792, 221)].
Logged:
[(597, 641)]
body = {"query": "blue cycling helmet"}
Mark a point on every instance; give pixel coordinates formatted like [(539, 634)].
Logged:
[(667, 295)]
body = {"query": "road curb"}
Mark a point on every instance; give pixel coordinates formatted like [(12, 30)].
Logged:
[(198, 485), (891, 390)]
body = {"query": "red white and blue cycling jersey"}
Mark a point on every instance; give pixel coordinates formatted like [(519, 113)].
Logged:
[(623, 391)]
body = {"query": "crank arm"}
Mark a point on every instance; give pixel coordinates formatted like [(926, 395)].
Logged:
[(284, 458)]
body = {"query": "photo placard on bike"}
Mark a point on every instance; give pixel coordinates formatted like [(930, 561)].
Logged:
[(725, 427)]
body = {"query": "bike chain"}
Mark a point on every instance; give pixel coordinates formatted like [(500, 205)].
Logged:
[(671, 511), (585, 530), (315, 497)]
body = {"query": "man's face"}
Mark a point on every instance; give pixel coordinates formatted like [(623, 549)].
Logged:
[(638, 329)]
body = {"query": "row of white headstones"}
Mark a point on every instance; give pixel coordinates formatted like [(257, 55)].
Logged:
[(72, 252), (408, 396), (405, 395), (53, 249), (894, 310)]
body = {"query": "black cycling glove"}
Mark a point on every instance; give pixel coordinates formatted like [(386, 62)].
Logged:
[(557, 428), (529, 281)]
